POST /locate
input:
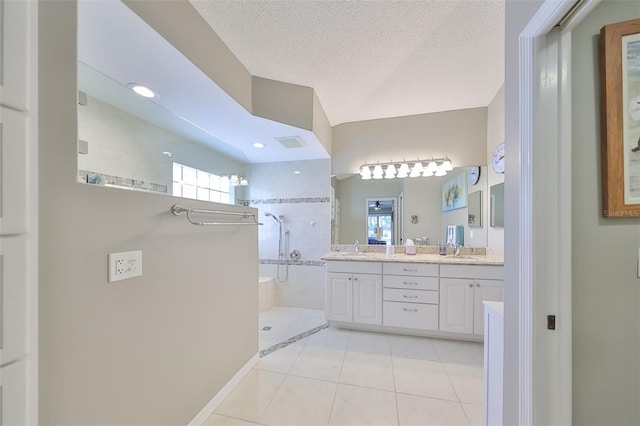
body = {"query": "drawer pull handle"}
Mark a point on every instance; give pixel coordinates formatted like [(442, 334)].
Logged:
[(410, 309), (408, 296), (409, 283), (409, 270)]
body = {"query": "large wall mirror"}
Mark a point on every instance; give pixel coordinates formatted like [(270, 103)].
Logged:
[(418, 211), (190, 140)]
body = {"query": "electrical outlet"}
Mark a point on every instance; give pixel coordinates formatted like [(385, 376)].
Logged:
[(125, 265)]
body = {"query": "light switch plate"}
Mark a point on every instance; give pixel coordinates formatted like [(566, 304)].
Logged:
[(125, 265)]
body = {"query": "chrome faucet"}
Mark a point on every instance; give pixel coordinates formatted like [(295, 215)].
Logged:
[(456, 248), (355, 246)]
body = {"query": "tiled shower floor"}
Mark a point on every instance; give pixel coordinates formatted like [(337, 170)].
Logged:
[(286, 323)]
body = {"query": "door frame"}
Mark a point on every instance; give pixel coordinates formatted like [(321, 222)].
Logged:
[(543, 135)]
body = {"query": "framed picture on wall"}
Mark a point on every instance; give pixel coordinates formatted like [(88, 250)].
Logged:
[(454, 193), (620, 116)]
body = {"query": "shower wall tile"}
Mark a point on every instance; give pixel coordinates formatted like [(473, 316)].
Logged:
[(304, 202)]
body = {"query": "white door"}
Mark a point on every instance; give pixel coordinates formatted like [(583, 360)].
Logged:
[(367, 299), (456, 305), (340, 296), (542, 143), (485, 291)]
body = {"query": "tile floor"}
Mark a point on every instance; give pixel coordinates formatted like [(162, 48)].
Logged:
[(286, 323), (343, 377)]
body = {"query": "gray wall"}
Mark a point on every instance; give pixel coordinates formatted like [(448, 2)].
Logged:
[(461, 135), (606, 288), (151, 350)]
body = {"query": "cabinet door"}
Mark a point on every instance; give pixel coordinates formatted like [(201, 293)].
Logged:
[(13, 298), (13, 172), (340, 296), (485, 290), (13, 394), (13, 53), (456, 305), (367, 299)]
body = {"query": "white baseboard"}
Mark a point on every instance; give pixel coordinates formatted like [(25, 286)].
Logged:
[(211, 406)]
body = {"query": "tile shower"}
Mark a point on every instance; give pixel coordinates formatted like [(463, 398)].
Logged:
[(299, 191)]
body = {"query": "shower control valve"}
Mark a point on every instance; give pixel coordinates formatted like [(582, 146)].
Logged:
[(295, 255)]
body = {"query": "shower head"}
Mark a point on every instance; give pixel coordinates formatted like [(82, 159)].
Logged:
[(279, 220)]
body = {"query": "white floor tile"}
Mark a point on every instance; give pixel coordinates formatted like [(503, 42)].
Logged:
[(424, 378), (319, 363), (217, 420), (370, 370), (281, 360), (301, 401), (475, 414), (413, 347), (355, 405), (285, 323), (250, 398), (330, 337), (460, 352), (369, 342), (466, 381), (421, 411)]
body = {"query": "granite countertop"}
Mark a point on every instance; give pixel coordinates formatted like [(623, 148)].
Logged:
[(418, 258)]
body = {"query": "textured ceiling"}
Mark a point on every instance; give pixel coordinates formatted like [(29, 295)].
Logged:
[(370, 59)]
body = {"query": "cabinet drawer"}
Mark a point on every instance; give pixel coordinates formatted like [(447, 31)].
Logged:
[(472, 271), (410, 296), (355, 267), (410, 315), (414, 283), (413, 269)]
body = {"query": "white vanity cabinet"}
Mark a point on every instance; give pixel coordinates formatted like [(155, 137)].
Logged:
[(354, 292), (463, 288), (410, 295)]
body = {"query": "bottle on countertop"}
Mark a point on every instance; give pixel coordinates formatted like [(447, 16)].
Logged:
[(443, 248), (389, 249)]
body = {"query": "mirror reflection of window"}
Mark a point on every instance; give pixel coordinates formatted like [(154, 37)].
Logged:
[(380, 221)]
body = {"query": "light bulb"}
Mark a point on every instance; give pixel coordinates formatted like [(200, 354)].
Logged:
[(402, 173), (366, 177), (377, 172), (447, 166), (404, 168), (427, 172), (432, 166), (416, 170), (366, 171), (441, 172), (391, 172)]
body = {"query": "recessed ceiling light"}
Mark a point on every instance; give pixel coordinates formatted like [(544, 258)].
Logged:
[(258, 145), (297, 172), (168, 154), (142, 90)]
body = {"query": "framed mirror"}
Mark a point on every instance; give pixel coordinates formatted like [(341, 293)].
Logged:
[(474, 211), (497, 205)]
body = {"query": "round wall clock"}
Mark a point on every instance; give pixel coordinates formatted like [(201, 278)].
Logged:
[(474, 175), (498, 159)]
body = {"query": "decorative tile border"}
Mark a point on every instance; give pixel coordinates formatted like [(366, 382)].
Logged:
[(294, 339), (103, 179), (288, 200), (292, 262), (371, 248)]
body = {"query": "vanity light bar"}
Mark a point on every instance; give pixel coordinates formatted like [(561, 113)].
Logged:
[(401, 170)]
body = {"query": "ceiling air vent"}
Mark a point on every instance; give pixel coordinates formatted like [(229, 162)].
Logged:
[(291, 142)]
